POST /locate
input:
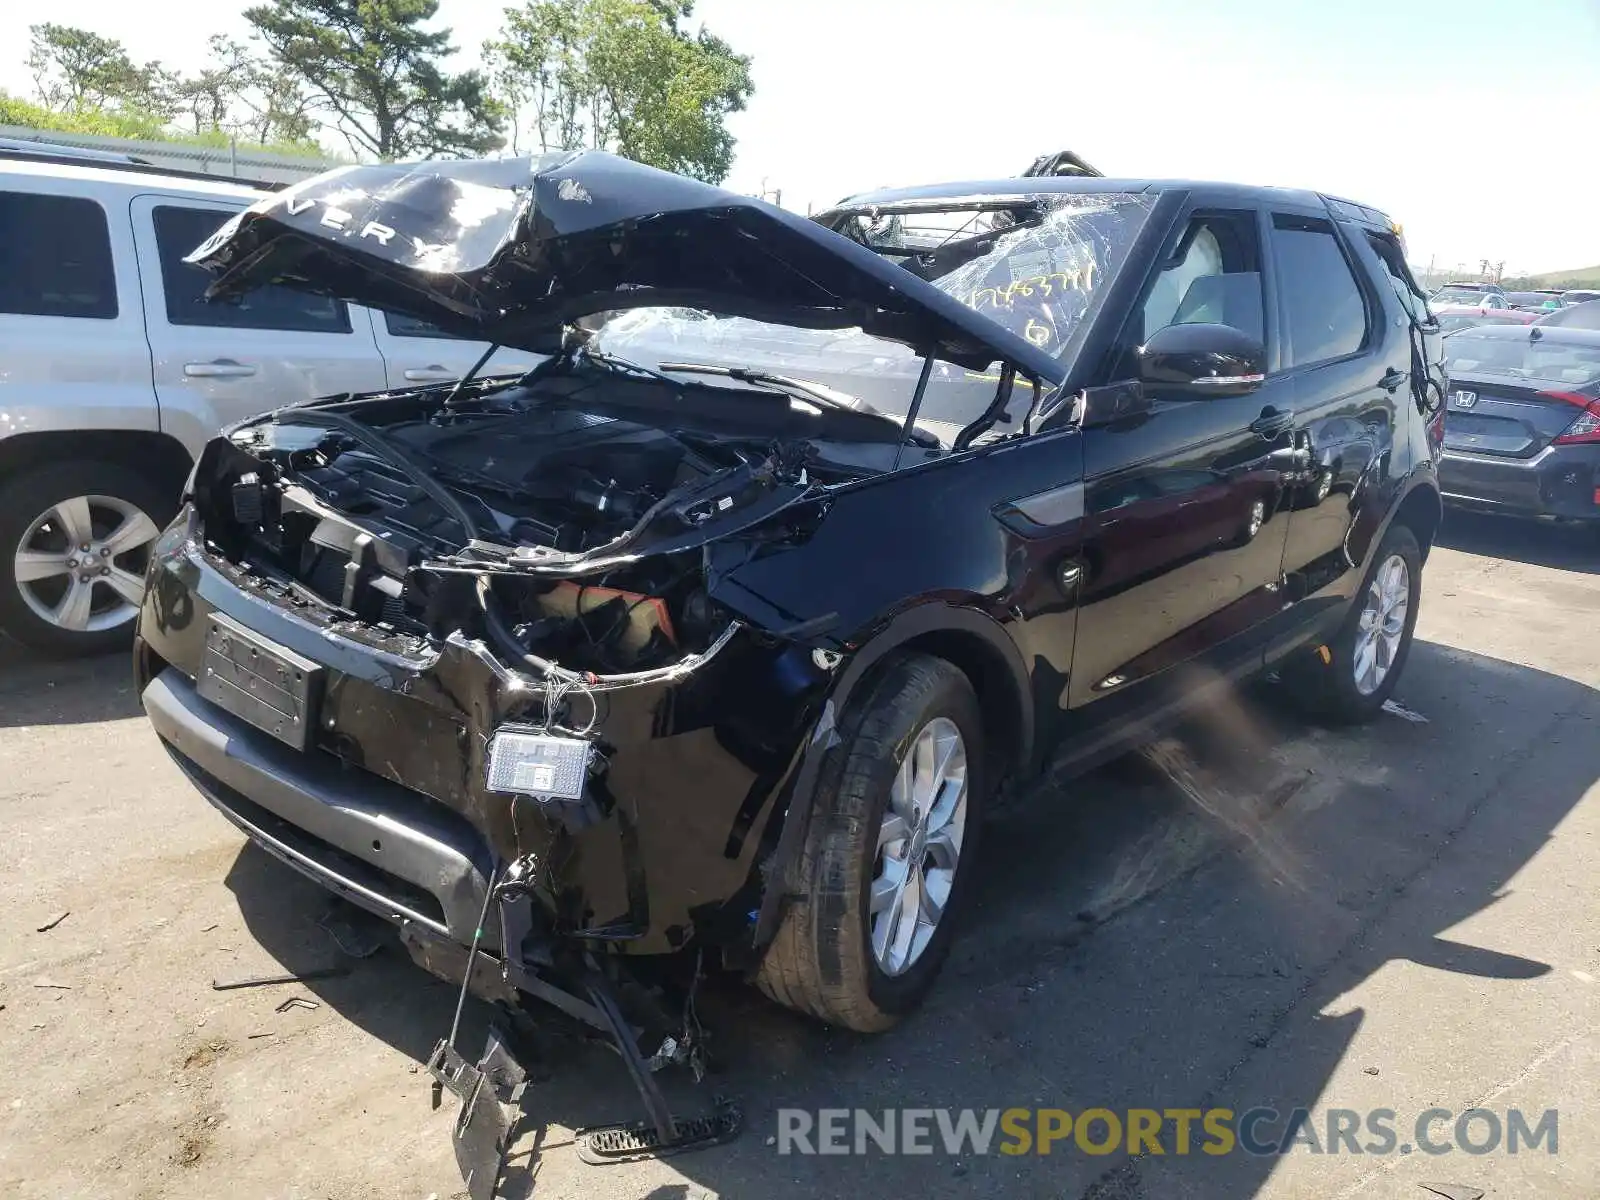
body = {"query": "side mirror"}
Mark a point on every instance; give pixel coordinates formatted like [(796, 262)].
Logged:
[(1201, 361)]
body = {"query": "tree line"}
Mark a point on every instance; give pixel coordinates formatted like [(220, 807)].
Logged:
[(629, 76)]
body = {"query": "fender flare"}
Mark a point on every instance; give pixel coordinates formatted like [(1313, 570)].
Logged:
[(1422, 477), (931, 618)]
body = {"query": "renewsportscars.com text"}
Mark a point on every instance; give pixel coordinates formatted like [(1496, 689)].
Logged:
[(1179, 1131)]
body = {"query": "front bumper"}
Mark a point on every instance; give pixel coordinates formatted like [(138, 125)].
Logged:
[(1559, 481), (376, 843), (388, 807)]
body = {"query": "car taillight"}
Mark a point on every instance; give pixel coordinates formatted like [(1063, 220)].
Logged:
[(1586, 427), (1436, 428)]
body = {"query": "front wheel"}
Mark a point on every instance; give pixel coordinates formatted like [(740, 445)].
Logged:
[(1364, 661), (887, 861)]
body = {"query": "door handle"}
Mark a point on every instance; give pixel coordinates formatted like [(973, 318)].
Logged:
[(1392, 379), (220, 368), (1272, 424), (430, 374)]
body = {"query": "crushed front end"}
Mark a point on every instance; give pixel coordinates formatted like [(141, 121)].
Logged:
[(333, 674), (536, 764)]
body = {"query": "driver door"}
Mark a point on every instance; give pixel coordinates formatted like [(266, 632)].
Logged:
[(1184, 537)]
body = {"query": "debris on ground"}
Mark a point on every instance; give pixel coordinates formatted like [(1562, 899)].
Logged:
[(54, 921), (296, 1002), (1396, 709), (355, 931), (41, 982), (228, 985)]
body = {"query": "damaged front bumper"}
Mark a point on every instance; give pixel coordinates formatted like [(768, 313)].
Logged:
[(380, 796), (387, 804)]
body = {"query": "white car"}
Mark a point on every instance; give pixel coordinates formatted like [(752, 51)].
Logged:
[(115, 371)]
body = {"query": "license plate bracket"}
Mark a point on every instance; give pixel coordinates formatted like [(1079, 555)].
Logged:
[(265, 684)]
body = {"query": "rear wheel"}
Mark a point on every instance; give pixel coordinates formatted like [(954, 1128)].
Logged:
[(887, 862), (75, 539), (1363, 663)]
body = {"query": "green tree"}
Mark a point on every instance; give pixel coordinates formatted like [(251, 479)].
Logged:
[(372, 65), (241, 94), (621, 75), (75, 70)]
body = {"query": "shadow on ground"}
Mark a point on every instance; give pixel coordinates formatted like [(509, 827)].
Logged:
[(35, 690), (1540, 543), (1141, 937)]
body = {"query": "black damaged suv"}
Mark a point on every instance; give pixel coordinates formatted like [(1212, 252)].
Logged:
[(719, 630)]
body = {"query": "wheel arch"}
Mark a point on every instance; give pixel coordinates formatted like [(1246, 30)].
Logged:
[(969, 640), (1421, 509), (158, 455)]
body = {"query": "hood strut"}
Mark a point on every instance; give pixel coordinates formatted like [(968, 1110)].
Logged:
[(916, 407)]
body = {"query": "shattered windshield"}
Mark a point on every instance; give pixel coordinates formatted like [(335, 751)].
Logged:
[(1036, 265)]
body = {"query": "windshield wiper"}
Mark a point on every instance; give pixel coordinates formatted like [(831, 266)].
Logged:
[(801, 388), (617, 363)]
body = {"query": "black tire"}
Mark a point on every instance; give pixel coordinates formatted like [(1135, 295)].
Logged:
[(821, 962), (25, 497), (1328, 689)]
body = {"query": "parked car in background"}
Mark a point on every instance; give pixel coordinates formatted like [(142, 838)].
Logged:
[(116, 373), (1452, 317), (1534, 300), (1466, 292), (1579, 296), (1522, 431), (1585, 315)]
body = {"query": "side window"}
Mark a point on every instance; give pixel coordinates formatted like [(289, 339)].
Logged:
[(178, 232), (1214, 276), (1400, 278), (1326, 313), (400, 325), (55, 257)]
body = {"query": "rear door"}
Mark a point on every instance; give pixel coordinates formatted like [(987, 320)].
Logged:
[(219, 363), (415, 352), (74, 351), (1350, 371)]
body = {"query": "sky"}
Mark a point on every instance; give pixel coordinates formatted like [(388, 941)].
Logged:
[(1465, 121)]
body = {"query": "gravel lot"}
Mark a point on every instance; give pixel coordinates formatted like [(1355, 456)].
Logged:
[(1252, 911)]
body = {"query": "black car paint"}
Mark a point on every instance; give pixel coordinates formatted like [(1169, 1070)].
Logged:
[(985, 557), (509, 250)]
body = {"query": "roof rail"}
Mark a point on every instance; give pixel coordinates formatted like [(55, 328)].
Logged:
[(73, 156)]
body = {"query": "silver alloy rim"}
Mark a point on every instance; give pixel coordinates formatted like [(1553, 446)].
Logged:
[(919, 846), (80, 565), (1382, 624), (1258, 514)]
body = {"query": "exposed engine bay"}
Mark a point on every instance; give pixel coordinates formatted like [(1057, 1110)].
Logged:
[(588, 521)]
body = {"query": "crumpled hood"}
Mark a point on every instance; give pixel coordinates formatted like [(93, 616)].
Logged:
[(510, 250)]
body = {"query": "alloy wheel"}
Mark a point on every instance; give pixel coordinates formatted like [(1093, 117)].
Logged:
[(919, 846), (1382, 624), (80, 564)]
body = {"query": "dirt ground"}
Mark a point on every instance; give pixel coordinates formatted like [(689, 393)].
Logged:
[(1251, 912)]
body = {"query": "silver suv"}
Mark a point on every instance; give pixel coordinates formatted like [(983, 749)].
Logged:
[(115, 371)]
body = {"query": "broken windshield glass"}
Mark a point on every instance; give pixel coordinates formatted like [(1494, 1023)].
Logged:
[(1035, 265)]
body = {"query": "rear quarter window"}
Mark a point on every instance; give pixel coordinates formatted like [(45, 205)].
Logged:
[(55, 257)]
